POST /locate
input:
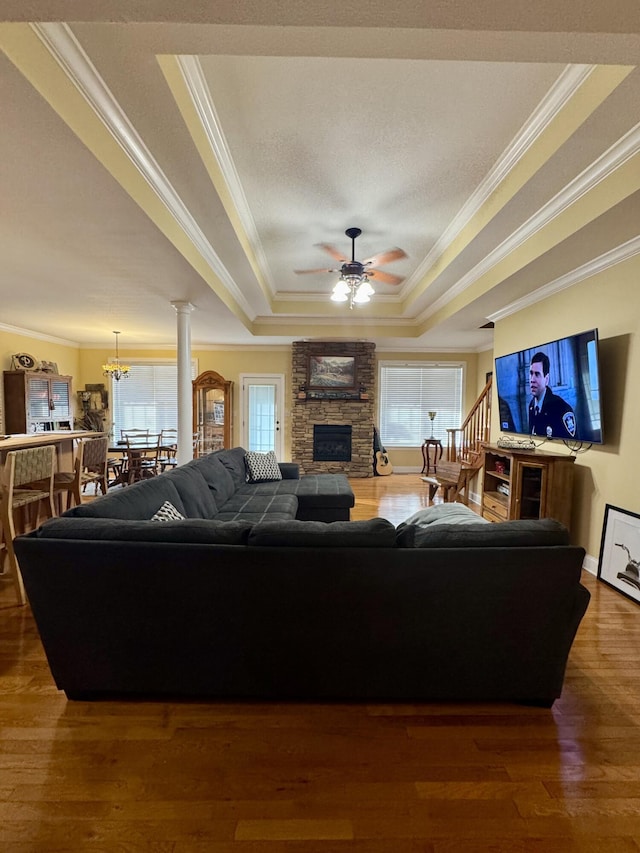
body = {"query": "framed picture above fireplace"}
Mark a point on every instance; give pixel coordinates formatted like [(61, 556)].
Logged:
[(332, 372)]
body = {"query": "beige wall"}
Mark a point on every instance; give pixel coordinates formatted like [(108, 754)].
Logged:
[(485, 365), (610, 301)]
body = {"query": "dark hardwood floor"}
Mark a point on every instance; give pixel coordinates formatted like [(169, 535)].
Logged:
[(207, 777)]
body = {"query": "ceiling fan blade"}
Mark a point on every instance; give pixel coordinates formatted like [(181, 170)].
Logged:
[(327, 247), (385, 277), (383, 258), (300, 272)]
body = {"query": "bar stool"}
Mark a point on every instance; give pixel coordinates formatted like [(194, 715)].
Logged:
[(26, 482)]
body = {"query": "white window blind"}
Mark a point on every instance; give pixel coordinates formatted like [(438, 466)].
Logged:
[(408, 391), (148, 398)]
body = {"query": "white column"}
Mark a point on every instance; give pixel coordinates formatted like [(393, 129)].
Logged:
[(185, 388)]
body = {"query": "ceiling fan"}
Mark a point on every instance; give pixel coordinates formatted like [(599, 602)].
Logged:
[(361, 270)]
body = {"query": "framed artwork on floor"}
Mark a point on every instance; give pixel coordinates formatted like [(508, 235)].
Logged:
[(619, 563)]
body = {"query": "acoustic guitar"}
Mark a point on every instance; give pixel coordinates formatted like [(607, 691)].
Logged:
[(381, 464)]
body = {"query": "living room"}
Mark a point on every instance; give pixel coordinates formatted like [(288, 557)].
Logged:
[(388, 117), (607, 300)]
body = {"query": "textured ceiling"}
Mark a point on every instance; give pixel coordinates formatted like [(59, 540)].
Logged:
[(201, 156)]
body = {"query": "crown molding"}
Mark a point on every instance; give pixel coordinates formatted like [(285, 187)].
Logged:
[(204, 106), (612, 159), (39, 336), (609, 259), (280, 320), (564, 88), (427, 349), (71, 57)]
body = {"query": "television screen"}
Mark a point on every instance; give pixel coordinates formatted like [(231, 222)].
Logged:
[(552, 390)]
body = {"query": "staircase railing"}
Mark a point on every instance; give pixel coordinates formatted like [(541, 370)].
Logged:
[(464, 444)]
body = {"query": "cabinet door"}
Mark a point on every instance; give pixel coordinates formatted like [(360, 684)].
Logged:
[(61, 399), (39, 399), (530, 488), (212, 405)]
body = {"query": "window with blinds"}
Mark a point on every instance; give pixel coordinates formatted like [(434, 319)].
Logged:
[(408, 391), (148, 398)]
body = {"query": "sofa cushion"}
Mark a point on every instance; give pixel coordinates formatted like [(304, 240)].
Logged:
[(505, 534), (139, 501), (167, 512), (191, 530), (197, 497), (262, 467), (216, 476), (243, 505), (233, 461), (373, 533), (312, 490), (289, 470)]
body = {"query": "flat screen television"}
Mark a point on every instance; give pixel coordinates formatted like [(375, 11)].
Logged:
[(552, 390)]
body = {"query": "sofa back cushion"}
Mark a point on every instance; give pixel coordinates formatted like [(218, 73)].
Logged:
[(506, 534), (216, 476), (233, 461), (374, 533), (139, 501), (198, 499), (190, 530)]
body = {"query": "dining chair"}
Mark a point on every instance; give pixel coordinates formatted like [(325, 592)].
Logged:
[(114, 467), (142, 457), (168, 449), (26, 482), (120, 469), (134, 433), (90, 466)]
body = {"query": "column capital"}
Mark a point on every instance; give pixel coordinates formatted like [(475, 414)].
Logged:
[(183, 307)]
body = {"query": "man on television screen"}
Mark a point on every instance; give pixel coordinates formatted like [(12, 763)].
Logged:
[(549, 415)]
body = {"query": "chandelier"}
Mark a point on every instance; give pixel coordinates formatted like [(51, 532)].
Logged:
[(352, 288), (114, 369)]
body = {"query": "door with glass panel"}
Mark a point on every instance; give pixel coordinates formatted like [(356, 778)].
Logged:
[(262, 408)]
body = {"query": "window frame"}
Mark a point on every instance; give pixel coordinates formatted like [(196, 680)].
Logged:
[(419, 408)]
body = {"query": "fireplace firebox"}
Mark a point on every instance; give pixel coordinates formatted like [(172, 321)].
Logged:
[(331, 443)]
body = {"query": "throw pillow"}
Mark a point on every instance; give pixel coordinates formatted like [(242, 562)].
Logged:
[(167, 512), (262, 467)]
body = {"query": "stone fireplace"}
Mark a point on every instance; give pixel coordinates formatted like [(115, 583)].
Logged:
[(333, 413)]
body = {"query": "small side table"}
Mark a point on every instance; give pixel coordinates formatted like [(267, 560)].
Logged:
[(426, 444)]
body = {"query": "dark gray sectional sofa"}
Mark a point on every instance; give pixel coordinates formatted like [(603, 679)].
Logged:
[(215, 487), (250, 602)]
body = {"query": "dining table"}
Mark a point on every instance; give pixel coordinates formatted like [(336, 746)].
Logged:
[(136, 449)]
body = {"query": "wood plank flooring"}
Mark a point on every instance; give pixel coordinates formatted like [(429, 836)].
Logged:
[(208, 777)]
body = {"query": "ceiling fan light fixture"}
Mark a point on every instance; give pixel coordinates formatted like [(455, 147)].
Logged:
[(342, 289), (365, 289), (354, 286)]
